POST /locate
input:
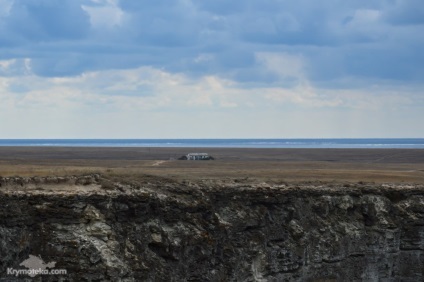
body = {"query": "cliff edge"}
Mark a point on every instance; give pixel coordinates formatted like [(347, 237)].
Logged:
[(109, 229)]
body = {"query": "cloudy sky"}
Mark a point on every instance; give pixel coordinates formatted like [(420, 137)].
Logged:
[(211, 68)]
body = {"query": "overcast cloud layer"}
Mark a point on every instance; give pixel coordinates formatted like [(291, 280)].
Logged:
[(211, 68)]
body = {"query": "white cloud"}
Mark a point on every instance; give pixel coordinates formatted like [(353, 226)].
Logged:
[(106, 14), (153, 89), (92, 106), (5, 64), (242, 68), (203, 58), (283, 64)]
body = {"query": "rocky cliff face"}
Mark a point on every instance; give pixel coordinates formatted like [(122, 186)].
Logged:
[(155, 230)]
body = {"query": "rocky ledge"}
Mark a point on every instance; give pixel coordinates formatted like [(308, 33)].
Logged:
[(108, 229)]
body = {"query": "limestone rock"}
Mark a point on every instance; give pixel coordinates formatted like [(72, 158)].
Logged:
[(213, 231)]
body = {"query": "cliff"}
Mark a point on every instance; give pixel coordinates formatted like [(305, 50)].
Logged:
[(105, 229)]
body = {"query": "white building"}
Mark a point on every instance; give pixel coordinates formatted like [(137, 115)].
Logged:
[(198, 156)]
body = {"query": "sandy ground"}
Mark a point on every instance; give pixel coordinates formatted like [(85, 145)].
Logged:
[(290, 165)]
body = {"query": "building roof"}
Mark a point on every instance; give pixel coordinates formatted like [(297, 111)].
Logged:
[(197, 154)]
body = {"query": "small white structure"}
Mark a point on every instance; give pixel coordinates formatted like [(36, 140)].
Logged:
[(198, 156)]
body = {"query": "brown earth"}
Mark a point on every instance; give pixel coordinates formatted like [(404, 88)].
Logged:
[(289, 165)]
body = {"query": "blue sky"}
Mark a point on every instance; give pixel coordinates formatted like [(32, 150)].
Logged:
[(211, 68)]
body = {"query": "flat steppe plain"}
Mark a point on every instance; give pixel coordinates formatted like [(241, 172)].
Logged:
[(288, 165)]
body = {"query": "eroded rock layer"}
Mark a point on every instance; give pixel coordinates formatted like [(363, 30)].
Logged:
[(100, 229)]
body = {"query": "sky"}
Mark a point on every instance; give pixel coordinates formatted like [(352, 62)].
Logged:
[(211, 69)]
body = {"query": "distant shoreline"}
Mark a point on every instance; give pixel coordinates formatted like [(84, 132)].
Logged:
[(323, 143)]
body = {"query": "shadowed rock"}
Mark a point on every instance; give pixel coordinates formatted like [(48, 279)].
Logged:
[(164, 230)]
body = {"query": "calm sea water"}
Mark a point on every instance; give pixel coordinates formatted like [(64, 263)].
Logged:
[(417, 143)]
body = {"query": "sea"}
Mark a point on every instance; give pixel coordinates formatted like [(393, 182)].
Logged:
[(404, 143)]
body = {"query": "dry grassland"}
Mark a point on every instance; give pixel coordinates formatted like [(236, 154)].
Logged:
[(289, 165)]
